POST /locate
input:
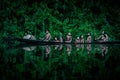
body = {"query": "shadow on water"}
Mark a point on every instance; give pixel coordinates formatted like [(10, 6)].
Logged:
[(60, 62)]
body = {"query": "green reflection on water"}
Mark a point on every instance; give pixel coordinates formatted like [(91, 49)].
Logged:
[(59, 62)]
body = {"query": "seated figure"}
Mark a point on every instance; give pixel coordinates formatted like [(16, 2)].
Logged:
[(69, 38), (103, 37), (89, 38), (47, 36)]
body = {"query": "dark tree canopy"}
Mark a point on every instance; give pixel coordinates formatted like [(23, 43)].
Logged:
[(76, 16)]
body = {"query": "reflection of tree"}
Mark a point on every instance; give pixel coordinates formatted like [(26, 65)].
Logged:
[(69, 48)]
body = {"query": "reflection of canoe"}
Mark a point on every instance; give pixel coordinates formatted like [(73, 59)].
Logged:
[(28, 41), (29, 48)]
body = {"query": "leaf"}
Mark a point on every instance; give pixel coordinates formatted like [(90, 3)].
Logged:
[(66, 21), (71, 25)]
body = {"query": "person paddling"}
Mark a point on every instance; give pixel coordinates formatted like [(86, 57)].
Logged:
[(89, 38), (47, 36), (77, 40), (69, 38), (103, 37), (82, 39)]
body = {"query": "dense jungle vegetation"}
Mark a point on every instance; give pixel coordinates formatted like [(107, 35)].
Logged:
[(86, 62), (79, 17)]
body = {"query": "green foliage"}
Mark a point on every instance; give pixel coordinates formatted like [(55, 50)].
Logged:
[(77, 17)]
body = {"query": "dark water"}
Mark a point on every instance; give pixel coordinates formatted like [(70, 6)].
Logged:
[(60, 62)]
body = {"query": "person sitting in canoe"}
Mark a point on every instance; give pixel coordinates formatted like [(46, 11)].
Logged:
[(77, 40), (69, 38), (47, 36), (82, 39), (56, 40), (29, 36), (103, 37), (89, 38)]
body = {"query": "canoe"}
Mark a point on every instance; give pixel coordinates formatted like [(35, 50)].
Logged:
[(28, 41)]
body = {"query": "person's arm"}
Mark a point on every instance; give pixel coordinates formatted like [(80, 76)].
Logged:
[(99, 37), (90, 39), (44, 38), (48, 37), (68, 39), (76, 41), (106, 39), (71, 39)]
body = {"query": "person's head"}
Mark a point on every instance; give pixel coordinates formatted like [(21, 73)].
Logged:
[(81, 36), (69, 33), (55, 38), (103, 32), (47, 31), (78, 38), (88, 34)]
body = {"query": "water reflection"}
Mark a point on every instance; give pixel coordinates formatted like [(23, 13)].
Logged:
[(68, 49), (89, 48), (47, 50), (102, 48), (77, 47), (30, 48), (82, 46), (58, 47), (44, 62)]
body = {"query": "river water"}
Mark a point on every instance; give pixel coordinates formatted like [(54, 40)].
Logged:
[(60, 62)]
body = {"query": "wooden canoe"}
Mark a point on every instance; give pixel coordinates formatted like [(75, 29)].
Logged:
[(28, 41)]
